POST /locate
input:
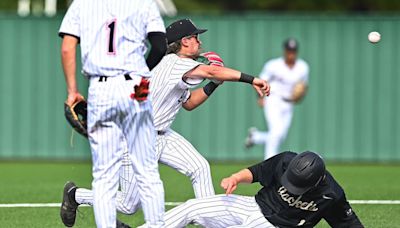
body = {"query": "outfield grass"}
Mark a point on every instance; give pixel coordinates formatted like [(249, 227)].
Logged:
[(42, 182)]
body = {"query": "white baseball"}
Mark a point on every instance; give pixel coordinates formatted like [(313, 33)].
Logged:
[(374, 37)]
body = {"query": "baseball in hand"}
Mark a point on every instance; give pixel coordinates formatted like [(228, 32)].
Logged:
[(374, 37)]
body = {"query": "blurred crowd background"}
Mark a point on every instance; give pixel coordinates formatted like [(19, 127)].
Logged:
[(350, 113)]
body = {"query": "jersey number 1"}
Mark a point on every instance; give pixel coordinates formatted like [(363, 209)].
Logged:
[(111, 41)]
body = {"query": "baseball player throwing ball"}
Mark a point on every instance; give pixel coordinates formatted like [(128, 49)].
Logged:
[(170, 85), (111, 36), (296, 191), (288, 77)]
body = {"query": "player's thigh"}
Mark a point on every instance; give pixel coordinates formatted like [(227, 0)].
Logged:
[(287, 117), (273, 112), (214, 211), (180, 154), (138, 129), (256, 220)]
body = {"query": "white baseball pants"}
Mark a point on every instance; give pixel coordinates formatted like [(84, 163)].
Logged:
[(218, 211), (115, 118), (172, 150), (278, 115)]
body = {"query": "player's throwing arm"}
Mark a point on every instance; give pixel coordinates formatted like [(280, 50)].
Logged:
[(226, 74)]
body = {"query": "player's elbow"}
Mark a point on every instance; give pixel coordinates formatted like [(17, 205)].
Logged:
[(67, 50), (214, 71), (188, 107)]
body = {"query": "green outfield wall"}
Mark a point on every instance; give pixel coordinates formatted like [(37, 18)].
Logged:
[(351, 112)]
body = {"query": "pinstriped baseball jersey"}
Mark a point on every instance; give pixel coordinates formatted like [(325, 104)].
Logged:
[(171, 91), (113, 34)]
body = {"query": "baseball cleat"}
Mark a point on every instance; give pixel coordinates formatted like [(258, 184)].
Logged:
[(69, 205), (122, 225), (249, 143)]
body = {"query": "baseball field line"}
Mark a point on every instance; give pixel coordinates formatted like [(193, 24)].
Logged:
[(13, 205)]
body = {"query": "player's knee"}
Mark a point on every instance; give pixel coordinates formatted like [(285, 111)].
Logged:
[(202, 168), (191, 204), (128, 209)]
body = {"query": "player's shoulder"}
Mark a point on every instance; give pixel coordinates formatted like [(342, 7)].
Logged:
[(283, 158), (333, 189), (287, 156), (302, 63), (187, 61), (275, 61)]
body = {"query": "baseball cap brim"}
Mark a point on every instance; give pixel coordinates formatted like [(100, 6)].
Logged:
[(292, 188), (199, 31), (291, 49)]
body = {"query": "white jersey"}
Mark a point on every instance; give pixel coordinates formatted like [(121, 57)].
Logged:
[(281, 78), (112, 34), (169, 90)]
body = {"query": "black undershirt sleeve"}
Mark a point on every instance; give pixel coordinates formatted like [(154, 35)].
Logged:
[(158, 43), (264, 172), (62, 34)]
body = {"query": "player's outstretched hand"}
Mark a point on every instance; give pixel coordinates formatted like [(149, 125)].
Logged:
[(74, 98), (229, 184), (261, 86)]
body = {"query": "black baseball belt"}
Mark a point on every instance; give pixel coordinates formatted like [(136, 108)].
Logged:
[(104, 78)]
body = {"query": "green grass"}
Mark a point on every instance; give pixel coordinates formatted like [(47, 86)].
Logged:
[(42, 182)]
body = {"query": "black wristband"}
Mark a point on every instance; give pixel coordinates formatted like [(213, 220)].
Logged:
[(246, 78), (209, 88)]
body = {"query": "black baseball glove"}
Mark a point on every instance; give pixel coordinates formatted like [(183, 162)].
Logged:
[(76, 115)]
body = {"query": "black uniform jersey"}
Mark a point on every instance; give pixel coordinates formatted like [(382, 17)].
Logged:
[(283, 209)]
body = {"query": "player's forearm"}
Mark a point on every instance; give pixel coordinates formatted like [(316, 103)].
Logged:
[(243, 176), (219, 73), (197, 97), (68, 58)]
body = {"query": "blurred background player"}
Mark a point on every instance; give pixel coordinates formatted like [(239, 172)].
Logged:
[(288, 77), (297, 191), (112, 50)]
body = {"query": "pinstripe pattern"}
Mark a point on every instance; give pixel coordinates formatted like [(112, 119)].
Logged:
[(112, 35), (176, 152), (172, 150), (169, 90), (218, 211), (89, 20), (110, 122)]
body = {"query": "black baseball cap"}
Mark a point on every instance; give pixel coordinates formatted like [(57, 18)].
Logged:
[(182, 28), (304, 172), (291, 44)]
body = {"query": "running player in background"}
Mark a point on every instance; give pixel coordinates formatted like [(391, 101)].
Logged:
[(288, 77), (111, 35), (297, 191)]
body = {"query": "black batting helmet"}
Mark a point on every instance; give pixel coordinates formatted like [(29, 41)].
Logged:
[(304, 172)]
